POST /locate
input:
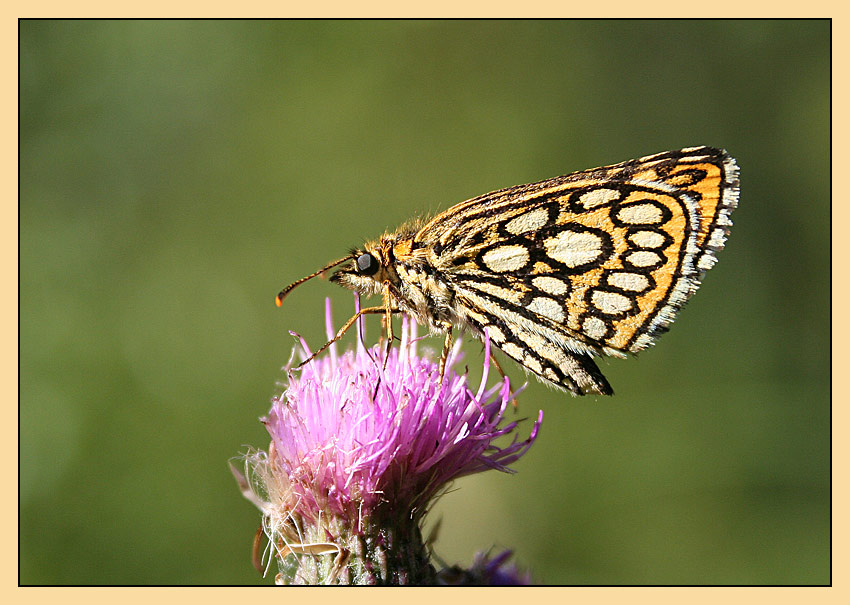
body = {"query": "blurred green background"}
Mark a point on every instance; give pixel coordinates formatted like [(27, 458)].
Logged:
[(174, 175)]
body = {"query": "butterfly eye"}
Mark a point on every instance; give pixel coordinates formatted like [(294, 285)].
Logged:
[(367, 264)]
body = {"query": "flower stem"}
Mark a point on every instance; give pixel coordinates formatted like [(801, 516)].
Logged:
[(382, 554)]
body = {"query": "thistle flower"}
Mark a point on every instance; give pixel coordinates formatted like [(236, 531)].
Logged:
[(359, 449), (485, 571)]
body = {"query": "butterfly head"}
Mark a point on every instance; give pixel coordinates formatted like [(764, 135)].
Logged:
[(366, 272)]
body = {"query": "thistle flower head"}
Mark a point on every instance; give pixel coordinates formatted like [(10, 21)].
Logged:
[(486, 571), (354, 439)]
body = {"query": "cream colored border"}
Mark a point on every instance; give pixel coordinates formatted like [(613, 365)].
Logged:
[(394, 8)]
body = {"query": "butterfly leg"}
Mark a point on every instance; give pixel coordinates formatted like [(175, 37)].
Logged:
[(343, 330), (447, 346), (501, 372), (388, 318)]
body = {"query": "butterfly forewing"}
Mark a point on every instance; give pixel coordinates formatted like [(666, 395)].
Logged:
[(593, 262)]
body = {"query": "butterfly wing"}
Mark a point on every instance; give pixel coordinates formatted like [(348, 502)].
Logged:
[(595, 262)]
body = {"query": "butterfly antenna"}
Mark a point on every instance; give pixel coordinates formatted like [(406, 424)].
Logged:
[(283, 293)]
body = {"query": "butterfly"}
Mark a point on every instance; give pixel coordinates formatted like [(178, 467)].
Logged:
[(557, 272)]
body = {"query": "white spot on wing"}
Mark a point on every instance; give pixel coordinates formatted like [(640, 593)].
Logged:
[(532, 364), (644, 258), (647, 239), (547, 307), (530, 221), (497, 291), (512, 350), (611, 303), (506, 258), (640, 214), (594, 327), (543, 347), (550, 285), (598, 197), (574, 248), (633, 282)]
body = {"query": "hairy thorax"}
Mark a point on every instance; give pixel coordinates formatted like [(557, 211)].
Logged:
[(415, 286)]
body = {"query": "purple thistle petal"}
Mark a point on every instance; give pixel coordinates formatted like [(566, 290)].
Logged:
[(339, 451)]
